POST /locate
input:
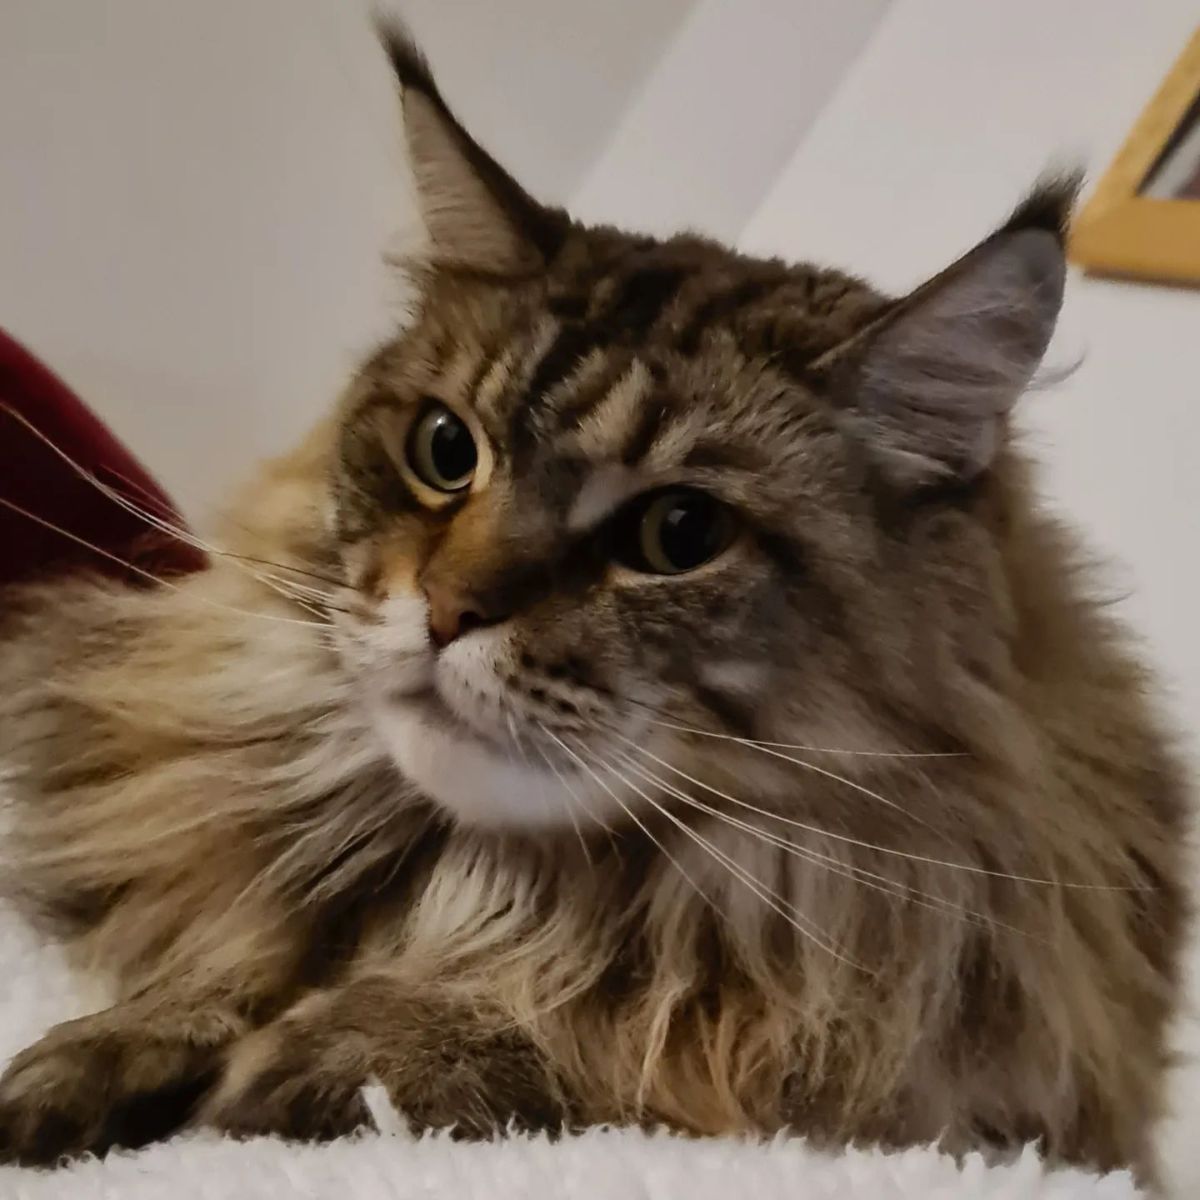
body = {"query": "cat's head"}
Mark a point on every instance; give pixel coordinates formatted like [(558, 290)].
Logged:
[(606, 488)]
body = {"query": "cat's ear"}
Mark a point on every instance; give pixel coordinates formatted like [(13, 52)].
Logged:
[(927, 388), (476, 215)]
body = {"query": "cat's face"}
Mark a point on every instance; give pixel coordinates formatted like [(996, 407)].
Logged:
[(605, 490), (571, 510)]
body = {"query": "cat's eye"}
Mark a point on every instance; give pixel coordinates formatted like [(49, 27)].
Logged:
[(676, 530), (441, 450)]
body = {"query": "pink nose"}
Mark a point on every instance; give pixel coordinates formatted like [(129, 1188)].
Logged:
[(451, 613)]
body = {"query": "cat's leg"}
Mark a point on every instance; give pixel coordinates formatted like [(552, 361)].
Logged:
[(133, 1073), (444, 1065), (124, 1076)]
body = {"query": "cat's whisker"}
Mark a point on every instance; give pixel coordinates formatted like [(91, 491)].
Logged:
[(631, 815), (301, 589), (775, 750), (282, 588), (760, 748), (515, 734), (312, 609), (656, 718), (147, 496), (585, 806), (654, 841), (143, 573), (805, 852), (337, 584), (802, 924), (861, 875), (577, 798), (276, 583), (159, 521), (156, 521), (769, 749), (970, 868)]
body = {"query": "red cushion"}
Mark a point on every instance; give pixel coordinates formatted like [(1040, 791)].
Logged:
[(35, 479)]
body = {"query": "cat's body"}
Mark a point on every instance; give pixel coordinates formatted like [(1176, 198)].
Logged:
[(496, 835)]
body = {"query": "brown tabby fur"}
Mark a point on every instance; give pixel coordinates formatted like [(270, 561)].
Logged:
[(979, 946)]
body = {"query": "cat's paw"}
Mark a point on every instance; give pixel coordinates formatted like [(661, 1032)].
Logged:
[(302, 1076), (280, 1081), (118, 1078)]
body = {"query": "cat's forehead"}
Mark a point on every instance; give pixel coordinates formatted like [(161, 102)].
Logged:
[(630, 360), (684, 300)]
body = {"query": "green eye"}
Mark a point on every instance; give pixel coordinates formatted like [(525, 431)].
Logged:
[(441, 450), (676, 531)]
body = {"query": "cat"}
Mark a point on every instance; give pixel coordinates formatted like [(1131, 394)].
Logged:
[(655, 695)]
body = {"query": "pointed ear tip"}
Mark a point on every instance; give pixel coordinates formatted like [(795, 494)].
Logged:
[(1048, 205), (408, 62)]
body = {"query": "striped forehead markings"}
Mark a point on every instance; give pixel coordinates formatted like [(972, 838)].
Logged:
[(637, 302)]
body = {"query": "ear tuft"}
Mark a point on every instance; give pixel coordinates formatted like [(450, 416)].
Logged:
[(476, 215), (410, 66), (1048, 206), (927, 389)]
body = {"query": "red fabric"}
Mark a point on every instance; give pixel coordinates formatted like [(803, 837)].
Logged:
[(34, 478)]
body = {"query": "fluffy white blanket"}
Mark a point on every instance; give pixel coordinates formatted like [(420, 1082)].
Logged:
[(36, 991)]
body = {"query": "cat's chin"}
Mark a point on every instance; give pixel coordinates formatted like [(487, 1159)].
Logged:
[(477, 781)]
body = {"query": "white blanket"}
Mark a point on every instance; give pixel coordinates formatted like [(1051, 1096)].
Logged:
[(36, 990)]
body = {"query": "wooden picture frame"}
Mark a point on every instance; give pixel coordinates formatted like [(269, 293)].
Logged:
[(1143, 219)]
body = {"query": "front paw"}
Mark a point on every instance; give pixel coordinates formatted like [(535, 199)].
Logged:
[(119, 1077), (302, 1077), (283, 1081)]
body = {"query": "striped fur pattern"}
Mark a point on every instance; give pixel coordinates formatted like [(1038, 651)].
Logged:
[(866, 828)]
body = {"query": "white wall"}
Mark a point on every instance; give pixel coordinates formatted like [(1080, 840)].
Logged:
[(722, 113), (948, 115)]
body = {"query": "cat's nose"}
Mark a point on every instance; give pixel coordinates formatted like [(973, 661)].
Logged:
[(453, 612)]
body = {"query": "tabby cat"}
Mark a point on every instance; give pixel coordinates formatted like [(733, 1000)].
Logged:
[(654, 695)]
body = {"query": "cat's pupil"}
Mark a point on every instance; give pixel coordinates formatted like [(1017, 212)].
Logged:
[(451, 448), (688, 534)]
